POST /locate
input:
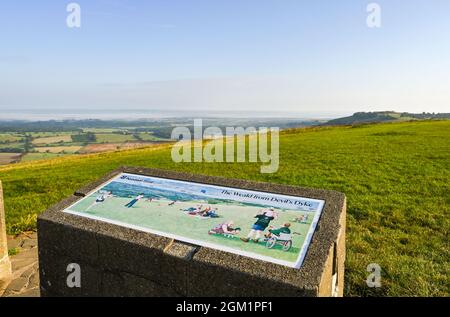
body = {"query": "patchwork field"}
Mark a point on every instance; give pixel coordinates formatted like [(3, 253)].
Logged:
[(100, 130), (108, 147), (69, 138), (43, 134), (144, 136), (9, 137), (6, 158), (39, 156), (58, 149), (113, 138), (396, 177), (13, 147), (52, 139)]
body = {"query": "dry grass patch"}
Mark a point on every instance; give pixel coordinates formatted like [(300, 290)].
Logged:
[(53, 139), (108, 147), (58, 149)]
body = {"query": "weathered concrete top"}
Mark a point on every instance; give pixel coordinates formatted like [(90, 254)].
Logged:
[(308, 277)]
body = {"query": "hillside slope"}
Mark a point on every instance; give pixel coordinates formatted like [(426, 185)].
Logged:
[(386, 116), (396, 177)]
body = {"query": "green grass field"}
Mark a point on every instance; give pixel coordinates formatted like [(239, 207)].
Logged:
[(396, 177), (48, 134), (101, 130), (13, 145), (113, 137), (69, 149), (9, 137), (39, 156), (146, 136)]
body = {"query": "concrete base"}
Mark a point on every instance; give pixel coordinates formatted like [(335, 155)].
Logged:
[(118, 261)]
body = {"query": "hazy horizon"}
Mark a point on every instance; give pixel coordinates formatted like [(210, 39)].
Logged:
[(129, 114), (30, 114), (291, 56)]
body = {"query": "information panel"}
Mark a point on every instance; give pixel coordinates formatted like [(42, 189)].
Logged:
[(265, 226)]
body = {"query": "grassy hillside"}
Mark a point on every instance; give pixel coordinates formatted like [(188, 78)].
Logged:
[(386, 116), (396, 177)]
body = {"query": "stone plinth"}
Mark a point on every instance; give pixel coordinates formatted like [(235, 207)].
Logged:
[(119, 261)]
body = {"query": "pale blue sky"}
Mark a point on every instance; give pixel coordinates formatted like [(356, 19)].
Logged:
[(269, 55)]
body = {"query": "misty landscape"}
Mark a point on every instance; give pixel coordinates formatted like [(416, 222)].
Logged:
[(27, 140)]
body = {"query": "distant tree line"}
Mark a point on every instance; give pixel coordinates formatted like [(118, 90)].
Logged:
[(161, 127), (382, 116), (426, 115), (88, 137), (67, 125)]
